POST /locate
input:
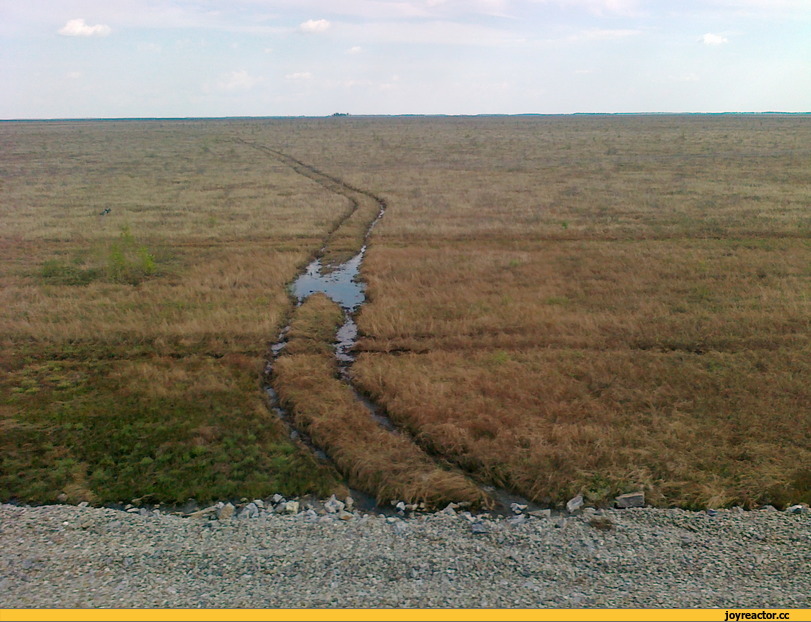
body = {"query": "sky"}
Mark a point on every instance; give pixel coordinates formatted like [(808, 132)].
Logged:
[(206, 58)]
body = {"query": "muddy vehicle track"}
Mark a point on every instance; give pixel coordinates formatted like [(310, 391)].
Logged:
[(344, 340)]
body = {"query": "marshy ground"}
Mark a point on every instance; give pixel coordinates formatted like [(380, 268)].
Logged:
[(555, 305)]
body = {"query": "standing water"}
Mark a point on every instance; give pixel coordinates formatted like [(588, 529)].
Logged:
[(341, 285)]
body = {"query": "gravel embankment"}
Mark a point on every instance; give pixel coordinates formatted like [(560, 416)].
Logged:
[(67, 556)]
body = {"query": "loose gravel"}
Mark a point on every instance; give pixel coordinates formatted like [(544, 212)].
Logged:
[(260, 557)]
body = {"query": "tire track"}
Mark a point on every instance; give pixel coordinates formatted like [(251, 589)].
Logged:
[(404, 468)]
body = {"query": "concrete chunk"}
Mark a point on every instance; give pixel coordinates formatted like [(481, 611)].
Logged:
[(631, 500)]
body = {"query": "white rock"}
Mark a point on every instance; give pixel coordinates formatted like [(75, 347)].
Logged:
[(541, 513), (800, 508), (226, 511), (249, 511), (291, 507), (277, 498), (517, 508), (332, 505), (574, 504), (349, 504)]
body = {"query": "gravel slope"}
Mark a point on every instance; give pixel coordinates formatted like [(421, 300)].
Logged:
[(67, 556)]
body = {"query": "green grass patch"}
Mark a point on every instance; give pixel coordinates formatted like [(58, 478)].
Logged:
[(91, 431), (122, 260)]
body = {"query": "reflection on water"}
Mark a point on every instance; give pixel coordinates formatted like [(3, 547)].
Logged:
[(340, 284), (345, 340)]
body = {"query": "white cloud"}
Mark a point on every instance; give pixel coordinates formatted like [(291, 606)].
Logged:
[(238, 81), (315, 25), (79, 28), (355, 49), (300, 75), (713, 39)]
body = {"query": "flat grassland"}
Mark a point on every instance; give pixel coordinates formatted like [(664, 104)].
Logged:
[(133, 340), (556, 304)]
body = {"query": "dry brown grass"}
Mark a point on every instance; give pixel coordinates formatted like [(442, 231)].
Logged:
[(227, 228), (107, 379), (600, 304), (349, 234), (217, 299), (569, 177), (313, 326), (692, 295), (389, 465), (692, 430), (556, 304), (170, 182)]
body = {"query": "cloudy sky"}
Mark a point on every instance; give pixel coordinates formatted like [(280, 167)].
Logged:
[(179, 58)]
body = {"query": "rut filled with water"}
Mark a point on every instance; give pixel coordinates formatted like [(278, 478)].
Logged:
[(343, 285), (341, 282)]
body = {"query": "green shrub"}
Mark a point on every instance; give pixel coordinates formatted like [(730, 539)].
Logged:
[(121, 261), (126, 261)]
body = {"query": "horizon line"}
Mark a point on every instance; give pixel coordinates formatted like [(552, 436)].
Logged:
[(383, 115)]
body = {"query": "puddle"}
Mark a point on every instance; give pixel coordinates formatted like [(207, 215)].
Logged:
[(341, 284)]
